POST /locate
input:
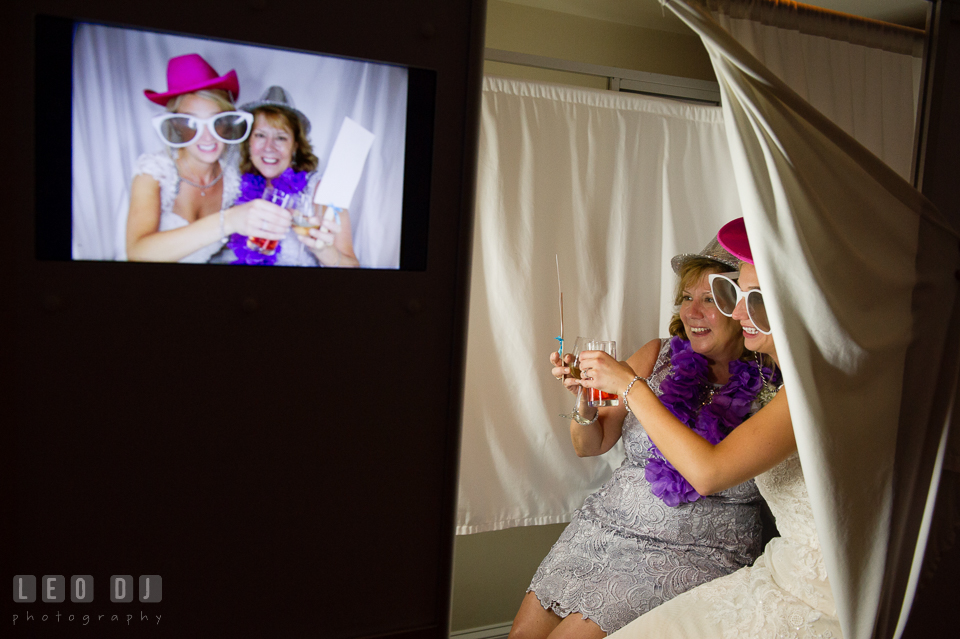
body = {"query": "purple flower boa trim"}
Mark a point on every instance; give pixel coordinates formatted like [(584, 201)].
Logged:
[(683, 395), (251, 188)]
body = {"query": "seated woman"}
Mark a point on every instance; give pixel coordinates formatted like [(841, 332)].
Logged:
[(278, 155), (646, 535), (786, 593), (180, 196)]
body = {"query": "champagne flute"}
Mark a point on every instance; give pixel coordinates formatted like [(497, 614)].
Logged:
[(578, 345)]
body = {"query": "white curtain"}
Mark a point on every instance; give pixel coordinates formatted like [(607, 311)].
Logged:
[(615, 184), (863, 75), (111, 126), (859, 273)]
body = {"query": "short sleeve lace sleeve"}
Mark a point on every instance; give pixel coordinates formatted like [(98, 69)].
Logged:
[(161, 168)]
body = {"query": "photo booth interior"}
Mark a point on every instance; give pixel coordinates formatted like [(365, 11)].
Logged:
[(862, 263)]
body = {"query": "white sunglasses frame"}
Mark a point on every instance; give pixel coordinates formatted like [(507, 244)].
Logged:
[(159, 119), (741, 295)]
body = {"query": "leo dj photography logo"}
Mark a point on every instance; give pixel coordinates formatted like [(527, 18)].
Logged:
[(53, 590)]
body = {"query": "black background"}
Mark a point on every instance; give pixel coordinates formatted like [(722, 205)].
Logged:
[(279, 445)]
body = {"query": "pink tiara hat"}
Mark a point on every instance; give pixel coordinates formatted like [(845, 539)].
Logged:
[(733, 237), (188, 73)]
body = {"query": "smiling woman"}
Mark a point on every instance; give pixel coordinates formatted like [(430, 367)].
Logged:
[(709, 331), (181, 196), (786, 592), (278, 163), (647, 535)]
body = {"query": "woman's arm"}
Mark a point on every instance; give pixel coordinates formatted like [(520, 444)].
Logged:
[(756, 445), (600, 436), (147, 243)]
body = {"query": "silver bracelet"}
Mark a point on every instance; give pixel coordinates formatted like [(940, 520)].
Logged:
[(623, 395), (585, 422)]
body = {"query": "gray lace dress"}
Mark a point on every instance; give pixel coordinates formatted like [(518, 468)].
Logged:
[(626, 552)]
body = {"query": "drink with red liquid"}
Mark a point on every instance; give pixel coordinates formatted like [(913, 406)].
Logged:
[(265, 246), (280, 198), (595, 396)]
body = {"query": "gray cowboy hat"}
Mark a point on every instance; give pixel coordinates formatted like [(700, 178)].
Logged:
[(278, 97), (712, 251)]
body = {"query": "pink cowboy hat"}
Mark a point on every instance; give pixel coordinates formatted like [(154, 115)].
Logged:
[(188, 73), (733, 237)]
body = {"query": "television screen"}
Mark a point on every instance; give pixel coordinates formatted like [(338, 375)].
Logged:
[(162, 169)]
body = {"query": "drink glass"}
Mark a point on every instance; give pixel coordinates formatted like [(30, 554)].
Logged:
[(280, 198), (578, 346), (595, 396), (304, 217)]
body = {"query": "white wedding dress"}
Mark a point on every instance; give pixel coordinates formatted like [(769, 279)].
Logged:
[(784, 594), (161, 167)]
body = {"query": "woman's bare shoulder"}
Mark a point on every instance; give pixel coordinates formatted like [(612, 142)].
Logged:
[(643, 361)]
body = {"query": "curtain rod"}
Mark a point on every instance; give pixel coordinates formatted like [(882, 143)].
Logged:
[(827, 23), (618, 79)]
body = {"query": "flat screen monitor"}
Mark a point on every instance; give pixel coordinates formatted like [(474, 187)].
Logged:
[(132, 158)]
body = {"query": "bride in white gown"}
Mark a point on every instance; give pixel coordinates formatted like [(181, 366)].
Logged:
[(786, 592)]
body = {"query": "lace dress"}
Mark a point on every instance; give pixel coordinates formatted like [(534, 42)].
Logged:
[(784, 594), (161, 168), (626, 552)]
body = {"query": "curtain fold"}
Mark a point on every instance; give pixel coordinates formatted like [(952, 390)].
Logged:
[(858, 269), (615, 185)]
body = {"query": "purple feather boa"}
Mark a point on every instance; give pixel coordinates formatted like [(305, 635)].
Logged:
[(682, 393), (251, 188)]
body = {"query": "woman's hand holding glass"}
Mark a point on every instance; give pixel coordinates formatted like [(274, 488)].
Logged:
[(562, 371), (258, 218), (601, 371), (319, 234)]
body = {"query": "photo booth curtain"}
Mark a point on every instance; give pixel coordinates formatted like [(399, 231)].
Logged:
[(858, 273), (614, 185), (111, 127)]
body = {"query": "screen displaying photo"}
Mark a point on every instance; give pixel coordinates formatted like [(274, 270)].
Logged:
[(175, 174)]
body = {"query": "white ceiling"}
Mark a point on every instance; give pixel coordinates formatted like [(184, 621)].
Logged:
[(649, 13)]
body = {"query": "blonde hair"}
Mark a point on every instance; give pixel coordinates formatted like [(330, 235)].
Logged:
[(220, 97)]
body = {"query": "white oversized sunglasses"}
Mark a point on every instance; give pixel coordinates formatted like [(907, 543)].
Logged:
[(726, 295), (181, 129)]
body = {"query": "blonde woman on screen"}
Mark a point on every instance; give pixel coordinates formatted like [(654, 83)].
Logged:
[(181, 197)]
